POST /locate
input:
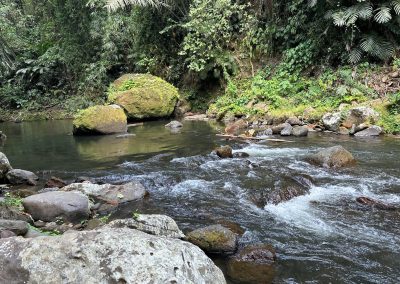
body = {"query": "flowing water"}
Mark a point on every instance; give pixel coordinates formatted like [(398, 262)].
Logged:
[(321, 237)]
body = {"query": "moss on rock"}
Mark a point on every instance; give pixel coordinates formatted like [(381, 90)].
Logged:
[(100, 120), (144, 96)]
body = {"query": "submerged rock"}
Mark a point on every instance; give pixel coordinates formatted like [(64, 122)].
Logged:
[(17, 176), (370, 131), (5, 166), (374, 203), (240, 155), (108, 193), (224, 152), (174, 124), (158, 225), (70, 206), (100, 120), (54, 182), (214, 239), (107, 255), (144, 96), (253, 264), (332, 121), (333, 157)]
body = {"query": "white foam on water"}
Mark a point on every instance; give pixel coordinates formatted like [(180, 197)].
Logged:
[(255, 150), (191, 187)]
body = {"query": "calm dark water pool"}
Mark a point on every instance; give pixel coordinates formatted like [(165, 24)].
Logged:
[(321, 237)]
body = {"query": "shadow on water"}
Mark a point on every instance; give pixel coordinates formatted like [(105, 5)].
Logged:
[(320, 237)]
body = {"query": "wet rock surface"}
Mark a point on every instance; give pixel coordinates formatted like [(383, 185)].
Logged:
[(214, 239), (372, 203), (55, 182), (333, 157), (224, 152)]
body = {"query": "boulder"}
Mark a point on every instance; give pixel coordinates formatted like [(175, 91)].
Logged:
[(214, 239), (265, 132), (106, 255), (54, 182), (182, 107), (70, 206), (300, 131), (253, 264), (360, 115), (19, 228), (17, 176), (294, 120), (276, 129), (287, 130), (100, 120), (370, 131), (144, 96), (236, 127), (158, 225), (333, 157), (343, 131), (224, 152), (174, 124), (5, 166), (108, 193), (332, 121)]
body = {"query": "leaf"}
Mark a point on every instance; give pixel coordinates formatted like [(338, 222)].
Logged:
[(355, 55), (383, 15)]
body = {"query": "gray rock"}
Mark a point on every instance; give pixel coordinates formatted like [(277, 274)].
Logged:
[(334, 157), (300, 131), (107, 255), (370, 131), (18, 176), (343, 131), (287, 130), (174, 124), (266, 132), (17, 227), (70, 206), (332, 121), (158, 225), (214, 239), (240, 155), (113, 194), (33, 234), (294, 121), (276, 129), (4, 234), (5, 166), (360, 115)]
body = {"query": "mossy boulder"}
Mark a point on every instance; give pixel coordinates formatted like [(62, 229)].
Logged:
[(100, 120), (144, 96)]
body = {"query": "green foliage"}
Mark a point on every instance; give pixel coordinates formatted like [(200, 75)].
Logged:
[(13, 201), (104, 219), (135, 214), (212, 30)]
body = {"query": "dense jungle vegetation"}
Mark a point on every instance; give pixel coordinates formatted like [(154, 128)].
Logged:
[(239, 56)]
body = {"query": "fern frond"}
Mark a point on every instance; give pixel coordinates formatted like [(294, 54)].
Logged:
[(355, 55), (377, 46), (383, 15), (396, 6)]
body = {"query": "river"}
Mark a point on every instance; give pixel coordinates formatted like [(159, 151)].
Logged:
[(320, 237)]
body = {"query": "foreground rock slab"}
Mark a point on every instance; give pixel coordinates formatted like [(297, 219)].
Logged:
[(158, 225), (333, 157), (107, 255), (70, 206), (214, 239)]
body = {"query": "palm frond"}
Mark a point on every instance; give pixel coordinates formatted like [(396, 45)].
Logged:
[(396, 6)]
